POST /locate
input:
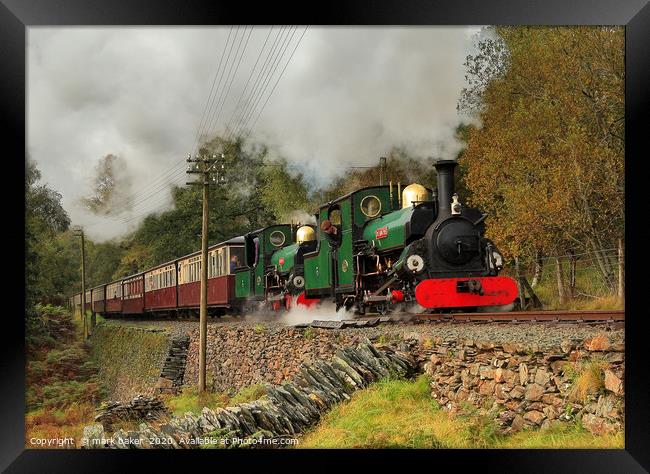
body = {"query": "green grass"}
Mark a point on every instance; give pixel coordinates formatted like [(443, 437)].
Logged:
[(402, 414), (563, 437), (190, 401)]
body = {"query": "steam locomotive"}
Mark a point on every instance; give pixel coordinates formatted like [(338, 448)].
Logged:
[(390, 250)]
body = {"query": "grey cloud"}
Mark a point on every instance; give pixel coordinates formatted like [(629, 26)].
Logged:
[(347, 97)]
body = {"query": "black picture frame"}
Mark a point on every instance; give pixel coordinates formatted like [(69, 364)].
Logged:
[(17, 15)]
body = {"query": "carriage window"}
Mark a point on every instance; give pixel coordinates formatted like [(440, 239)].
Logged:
[(256, 254), (370, 206), (239, 253), (276, 238)]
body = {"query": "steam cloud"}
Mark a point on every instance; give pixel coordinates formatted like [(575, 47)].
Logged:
[(348, 96)]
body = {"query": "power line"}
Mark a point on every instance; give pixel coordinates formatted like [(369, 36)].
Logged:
[(227, 127), (232, 78), (265, 82), (261, 76), (212, 102), (278, 80), (214, 80), (174, 169), (215, 103)]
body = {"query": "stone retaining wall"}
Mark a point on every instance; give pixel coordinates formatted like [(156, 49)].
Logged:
[(521, 386), (247, 354)]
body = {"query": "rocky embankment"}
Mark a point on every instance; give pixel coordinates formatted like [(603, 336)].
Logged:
[(245, 353), (523, 375), (522, 386)]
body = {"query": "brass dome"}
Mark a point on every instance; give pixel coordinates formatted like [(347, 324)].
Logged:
[(414, 192), (305, 234)]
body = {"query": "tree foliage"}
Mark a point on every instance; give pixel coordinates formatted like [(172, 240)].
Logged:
[(548, 161), (44, 217)]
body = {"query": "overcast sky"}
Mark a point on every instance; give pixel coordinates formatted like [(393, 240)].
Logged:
[(346, 96)]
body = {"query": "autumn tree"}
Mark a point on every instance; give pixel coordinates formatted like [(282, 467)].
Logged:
[(547, 161)]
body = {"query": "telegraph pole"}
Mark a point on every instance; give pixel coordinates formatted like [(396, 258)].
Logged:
[(206, 167), (78, 230), (382, 170)]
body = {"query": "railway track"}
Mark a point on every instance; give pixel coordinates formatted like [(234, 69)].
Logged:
[(530, 316), (567, 317), (575, 317)]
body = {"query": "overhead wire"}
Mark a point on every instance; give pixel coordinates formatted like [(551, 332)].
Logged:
[(215, 106)]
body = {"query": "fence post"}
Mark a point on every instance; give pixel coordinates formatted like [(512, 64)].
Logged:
[(520, 287), (560, 281), (621, 271)]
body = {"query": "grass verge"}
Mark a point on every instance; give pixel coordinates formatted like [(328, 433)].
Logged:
[(402, 414), (189, 400)]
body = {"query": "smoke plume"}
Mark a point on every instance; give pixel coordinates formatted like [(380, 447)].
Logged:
[(347, 97)]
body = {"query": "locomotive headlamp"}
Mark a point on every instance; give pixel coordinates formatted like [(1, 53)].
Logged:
[(456, 206), (497, 258), (415, 263)]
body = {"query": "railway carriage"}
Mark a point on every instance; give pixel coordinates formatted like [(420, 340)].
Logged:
[(221, 278), (89, 299), (221, 281), (98, 296), (114, 297), (160, 288), (76, 302), (133, 294)]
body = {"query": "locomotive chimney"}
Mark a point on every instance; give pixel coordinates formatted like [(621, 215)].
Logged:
[(445, 172)]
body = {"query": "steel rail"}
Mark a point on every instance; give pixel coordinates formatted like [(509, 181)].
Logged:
[(529, 316)]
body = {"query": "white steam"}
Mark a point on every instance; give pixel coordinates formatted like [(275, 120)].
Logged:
[(324, 311), (299, 314), (302, 217)]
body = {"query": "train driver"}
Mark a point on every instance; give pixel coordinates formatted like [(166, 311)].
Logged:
[(234, 263), (331, 233)]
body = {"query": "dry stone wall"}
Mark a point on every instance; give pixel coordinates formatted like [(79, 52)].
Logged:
[(285, 411), (173, 371), (521, 386), (140, 408), (247, 354)]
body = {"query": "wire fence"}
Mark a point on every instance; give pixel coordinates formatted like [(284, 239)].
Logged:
[(581, 273)]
